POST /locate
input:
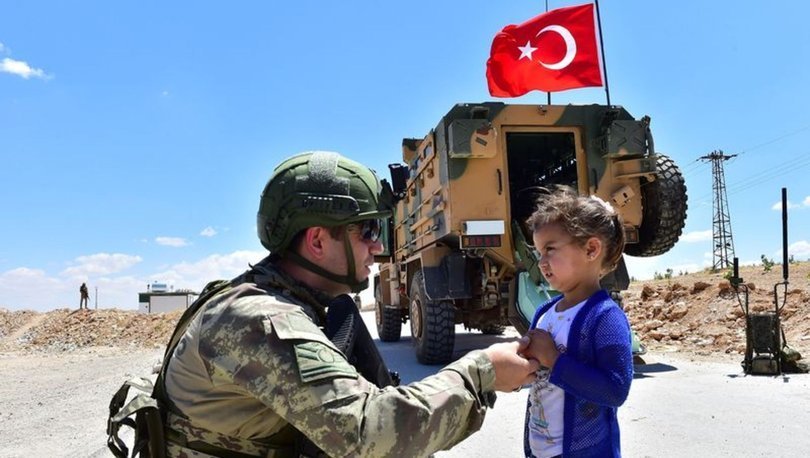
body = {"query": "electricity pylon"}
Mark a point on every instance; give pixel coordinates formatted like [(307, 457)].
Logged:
[(721, 224)]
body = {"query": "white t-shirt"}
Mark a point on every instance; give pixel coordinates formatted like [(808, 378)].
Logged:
[(546, 399)]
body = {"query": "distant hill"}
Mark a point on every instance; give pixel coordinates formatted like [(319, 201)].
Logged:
[(696, 312)]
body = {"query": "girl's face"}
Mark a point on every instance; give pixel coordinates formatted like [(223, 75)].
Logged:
[(567, 265)]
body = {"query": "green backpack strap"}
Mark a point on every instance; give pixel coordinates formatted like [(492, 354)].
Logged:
[(211, 289), (141, 414)]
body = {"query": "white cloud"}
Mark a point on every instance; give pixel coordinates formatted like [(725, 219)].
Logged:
[(34, 289), (800, 249), (194, 275), (646, 268), (100, 264), (21, 68), (2, 48), (28, 288), (642, 268), (697, 236), (21, 273), (790, 205), (171, 241), (164, 93), (208, 232)]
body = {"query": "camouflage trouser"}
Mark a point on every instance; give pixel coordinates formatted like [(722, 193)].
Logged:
[(185, 440)]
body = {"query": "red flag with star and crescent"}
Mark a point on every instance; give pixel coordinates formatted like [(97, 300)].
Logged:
[(551, 52)]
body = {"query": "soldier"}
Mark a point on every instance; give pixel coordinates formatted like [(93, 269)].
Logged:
[(254, 373), (85, 297)]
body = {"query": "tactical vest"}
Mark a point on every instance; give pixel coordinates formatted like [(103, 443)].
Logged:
[(151, 414)]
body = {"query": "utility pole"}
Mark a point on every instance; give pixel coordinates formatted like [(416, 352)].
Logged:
[(721, 223)]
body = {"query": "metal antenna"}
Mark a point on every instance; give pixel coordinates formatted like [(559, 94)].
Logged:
[(721, 224)]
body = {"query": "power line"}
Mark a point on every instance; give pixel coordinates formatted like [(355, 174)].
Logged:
[(790, 165), (769, 174), (801, 129), (692, 166), (764, 175)]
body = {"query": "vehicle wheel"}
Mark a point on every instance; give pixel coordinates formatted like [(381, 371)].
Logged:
[(664, 214), (493, 329), (389, 319), (433, 325)]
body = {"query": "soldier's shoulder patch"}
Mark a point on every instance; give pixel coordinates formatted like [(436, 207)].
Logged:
[(317, 361), (316, 356)]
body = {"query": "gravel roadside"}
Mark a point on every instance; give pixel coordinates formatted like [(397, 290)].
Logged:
[(680, 405), (57, 404)]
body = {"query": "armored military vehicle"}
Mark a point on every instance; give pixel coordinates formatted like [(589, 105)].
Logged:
[(458, 249)]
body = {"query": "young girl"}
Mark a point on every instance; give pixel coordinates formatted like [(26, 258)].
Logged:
[(581, 338)]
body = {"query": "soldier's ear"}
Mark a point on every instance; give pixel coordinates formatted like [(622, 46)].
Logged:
[(313, 242)]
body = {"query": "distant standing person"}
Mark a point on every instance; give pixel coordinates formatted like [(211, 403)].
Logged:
[(582, 337), (85, 296)]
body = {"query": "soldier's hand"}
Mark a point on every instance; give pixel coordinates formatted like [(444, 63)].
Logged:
[(511, 369), (542, 347)]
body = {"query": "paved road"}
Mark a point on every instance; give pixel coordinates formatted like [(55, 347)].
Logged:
[(678, 407)]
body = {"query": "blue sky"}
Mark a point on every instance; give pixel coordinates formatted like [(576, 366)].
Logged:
[(136, 137)]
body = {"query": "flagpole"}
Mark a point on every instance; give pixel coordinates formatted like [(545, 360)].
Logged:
[(548, 93), (602, 48)]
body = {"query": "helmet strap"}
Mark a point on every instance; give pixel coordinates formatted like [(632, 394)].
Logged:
[(350, 279), (356, 286)]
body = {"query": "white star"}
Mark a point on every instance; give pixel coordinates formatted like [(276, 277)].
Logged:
[(526, 51)]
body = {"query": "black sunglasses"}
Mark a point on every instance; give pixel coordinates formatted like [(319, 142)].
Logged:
[(369, 229)]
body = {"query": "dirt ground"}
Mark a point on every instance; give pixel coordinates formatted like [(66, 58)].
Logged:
[(56, 403), (701, 313), (60, 368)]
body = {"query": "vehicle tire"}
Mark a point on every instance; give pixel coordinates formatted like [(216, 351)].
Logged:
[(664, 211), (433, 325), (493, 329), (389, 319)]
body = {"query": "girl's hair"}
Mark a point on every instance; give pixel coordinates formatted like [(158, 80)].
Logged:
[(582, 218)]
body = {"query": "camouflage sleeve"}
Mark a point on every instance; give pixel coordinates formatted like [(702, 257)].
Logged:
[(299, 374)]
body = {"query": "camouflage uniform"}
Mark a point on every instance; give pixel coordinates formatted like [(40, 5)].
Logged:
[(255, 360)]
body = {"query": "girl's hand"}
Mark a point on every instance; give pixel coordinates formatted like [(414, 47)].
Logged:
[(542, 348), (511, 369)]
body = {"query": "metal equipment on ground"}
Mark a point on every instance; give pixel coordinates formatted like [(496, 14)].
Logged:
[(764, 337)]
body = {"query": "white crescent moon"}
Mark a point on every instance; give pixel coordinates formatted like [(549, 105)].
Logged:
[(570, 45)]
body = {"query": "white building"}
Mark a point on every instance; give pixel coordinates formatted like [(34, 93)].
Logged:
[(158, 298)]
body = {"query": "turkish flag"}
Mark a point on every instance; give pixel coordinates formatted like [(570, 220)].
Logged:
[(552, 52)]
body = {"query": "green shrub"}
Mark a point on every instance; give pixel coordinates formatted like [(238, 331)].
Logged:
[(767, 264)]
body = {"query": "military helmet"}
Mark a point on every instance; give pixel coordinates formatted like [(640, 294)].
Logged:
[(317, 188)]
